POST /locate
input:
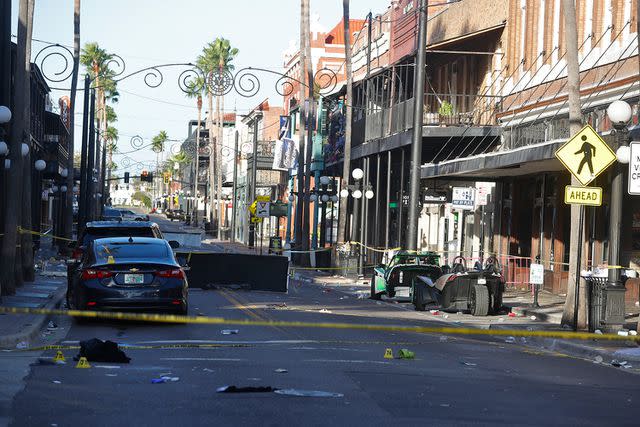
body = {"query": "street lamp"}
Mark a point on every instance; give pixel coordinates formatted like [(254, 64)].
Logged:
[(4, 148), (40, 165), (323, 194), (619, 112), (25, 149), (358, 190), (5, 114)]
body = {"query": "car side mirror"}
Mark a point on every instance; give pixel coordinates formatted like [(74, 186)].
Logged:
[(174, 244)]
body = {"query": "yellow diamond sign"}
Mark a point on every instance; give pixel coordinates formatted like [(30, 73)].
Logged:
[(586, 155)]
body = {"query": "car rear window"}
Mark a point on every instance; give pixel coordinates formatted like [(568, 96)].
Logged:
[(124, 251), (99, 233)]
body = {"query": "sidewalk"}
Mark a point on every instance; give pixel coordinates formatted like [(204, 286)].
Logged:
[(47, 291)]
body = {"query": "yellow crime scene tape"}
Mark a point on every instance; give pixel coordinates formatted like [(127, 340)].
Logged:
[(37, 233), (205, 320)]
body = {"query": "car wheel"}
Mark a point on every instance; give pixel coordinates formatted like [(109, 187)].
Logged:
[(479, 300), (374, 294)]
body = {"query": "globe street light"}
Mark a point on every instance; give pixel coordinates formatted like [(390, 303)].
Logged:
[(64, 173), (357, 174), (25, 149), (619, 112), (4, 148), (5, 114), (357, 194), (40, 165)]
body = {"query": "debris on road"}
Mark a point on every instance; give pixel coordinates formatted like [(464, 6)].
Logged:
[(510, 340), (469, 364), (597, 331), (281, 371), (96, 350), (51, 326), (56, 382), (598, 359), (277, 306), (444, 339), (434, 312), (307, 393), (324, 310), (163, 380), (22, 345), (406, 354), (234, 389), (512, 314), (634, 333), (230, 332), (533, 317)]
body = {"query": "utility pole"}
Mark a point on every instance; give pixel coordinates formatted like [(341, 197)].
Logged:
[(416, 144), (68, 216), (346, 160), (91, 193), (301, 200), (575, 307), (83, 213), (254, 177), (235, 188), (310, 125)]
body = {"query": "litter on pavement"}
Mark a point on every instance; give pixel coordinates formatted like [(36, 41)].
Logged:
[(307, 393), (163, 380), (230, 331), (22, 345), (96, 350), (406, 354), (280, 371), (234, 389), (324, 310)]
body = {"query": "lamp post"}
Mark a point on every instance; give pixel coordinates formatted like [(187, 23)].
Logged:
[(619, 112), (321, 195), (358, 190)]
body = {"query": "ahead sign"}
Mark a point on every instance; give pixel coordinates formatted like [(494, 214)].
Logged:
[(590, 196), (634, 168)]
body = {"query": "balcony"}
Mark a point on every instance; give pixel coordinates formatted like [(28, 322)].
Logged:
[(452, 114)]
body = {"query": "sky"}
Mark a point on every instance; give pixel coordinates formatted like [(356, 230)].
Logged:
[(152, 32)]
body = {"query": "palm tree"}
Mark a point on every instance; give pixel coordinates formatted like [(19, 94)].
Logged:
[(157, 146), (196, 90), (216, 57), (68, 215)]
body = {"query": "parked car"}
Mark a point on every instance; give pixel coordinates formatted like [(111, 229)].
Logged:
[(129, 215), (129, 273), (101, 229), (401, 270), (110, 214), (479, 290)]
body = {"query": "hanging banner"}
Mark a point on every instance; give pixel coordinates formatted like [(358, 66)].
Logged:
[(288, 154)]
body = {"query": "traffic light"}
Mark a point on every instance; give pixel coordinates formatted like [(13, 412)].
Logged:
[(126, 177), (146, 176)]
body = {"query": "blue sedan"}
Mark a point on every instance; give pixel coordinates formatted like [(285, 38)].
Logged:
[(129, 274)]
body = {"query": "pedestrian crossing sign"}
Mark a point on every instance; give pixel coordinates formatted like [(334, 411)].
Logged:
[(586, 155)]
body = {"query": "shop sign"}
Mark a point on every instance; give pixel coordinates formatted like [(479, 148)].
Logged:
[(463, 198)]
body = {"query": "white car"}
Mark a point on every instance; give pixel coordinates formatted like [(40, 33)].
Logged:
[(129, 215)]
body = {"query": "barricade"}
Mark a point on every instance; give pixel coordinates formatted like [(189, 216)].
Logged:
[(260, 272)]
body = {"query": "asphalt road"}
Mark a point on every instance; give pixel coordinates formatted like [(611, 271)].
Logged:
[(452, 381)]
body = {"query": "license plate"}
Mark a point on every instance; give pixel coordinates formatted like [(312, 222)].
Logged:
[(134, 279), (482, 281)]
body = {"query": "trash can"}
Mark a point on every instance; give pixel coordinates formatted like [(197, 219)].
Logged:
[(596, 285)]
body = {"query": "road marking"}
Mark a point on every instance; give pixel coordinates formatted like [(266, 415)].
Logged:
[(379, 362), (212, 359)]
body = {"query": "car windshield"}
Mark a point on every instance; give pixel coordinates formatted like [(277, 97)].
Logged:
[(99, 233), (126, 250)]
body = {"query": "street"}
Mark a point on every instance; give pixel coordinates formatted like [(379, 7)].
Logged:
[(452, 381)]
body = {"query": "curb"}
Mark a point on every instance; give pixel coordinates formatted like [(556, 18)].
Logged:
[(31, 332)]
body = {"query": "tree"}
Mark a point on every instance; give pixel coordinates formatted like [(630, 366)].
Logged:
[(68, 214), (10, 257), (575, 124), (157, 146), (216, 58), (195, 90)]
